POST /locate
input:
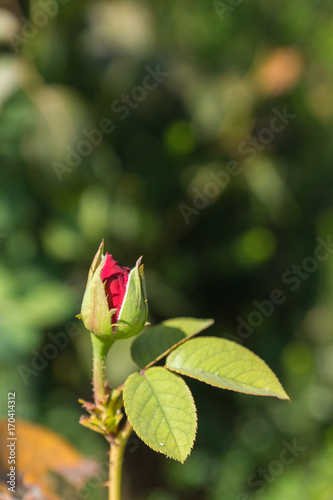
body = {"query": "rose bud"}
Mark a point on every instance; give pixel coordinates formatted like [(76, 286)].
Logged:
[(114, 305)]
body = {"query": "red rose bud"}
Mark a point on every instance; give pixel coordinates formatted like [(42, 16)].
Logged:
[(114, 305), (115, 278)]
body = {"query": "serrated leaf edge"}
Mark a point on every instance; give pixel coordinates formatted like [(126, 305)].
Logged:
[(195, 415), (273, 394)]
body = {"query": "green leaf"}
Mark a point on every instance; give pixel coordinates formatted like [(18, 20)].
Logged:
[(160, 407), (227, 365), (157, 341)]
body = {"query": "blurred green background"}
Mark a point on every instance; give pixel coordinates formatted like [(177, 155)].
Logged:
[(146, 187)]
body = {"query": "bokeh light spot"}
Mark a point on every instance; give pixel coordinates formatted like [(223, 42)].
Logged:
[(254, 247), (180, 137)]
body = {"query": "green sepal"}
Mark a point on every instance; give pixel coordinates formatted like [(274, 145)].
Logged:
[(134, 311), (96, 262), (95, 310)]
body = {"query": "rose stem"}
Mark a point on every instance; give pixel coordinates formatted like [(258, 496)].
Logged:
[(117, 449), (100, 351)]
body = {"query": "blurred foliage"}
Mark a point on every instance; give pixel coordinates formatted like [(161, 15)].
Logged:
[(229, 70)]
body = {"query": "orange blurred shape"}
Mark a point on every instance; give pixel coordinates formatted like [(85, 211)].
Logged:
[(40, 450), (279, 71)]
